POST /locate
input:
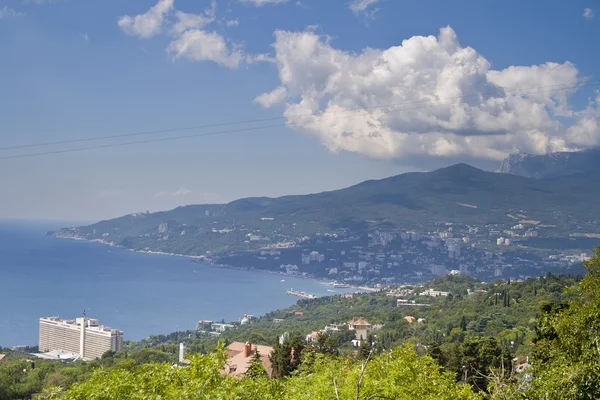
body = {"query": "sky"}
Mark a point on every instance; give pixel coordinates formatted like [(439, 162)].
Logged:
[(237, 98)]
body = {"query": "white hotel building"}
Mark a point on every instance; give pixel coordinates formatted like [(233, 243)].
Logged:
[(83, 336)]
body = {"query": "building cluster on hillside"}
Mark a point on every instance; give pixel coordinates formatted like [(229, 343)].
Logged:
[(434, 293), (362, 328), (313, 256), (406, 295), (393, 255), (217, 328)]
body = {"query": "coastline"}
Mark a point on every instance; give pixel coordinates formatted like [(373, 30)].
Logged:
[(141, 295), (210, 263)]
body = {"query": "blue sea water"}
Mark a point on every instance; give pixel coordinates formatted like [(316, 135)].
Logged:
[(141, 294)]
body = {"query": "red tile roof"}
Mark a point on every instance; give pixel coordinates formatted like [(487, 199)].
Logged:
[(237, 364)]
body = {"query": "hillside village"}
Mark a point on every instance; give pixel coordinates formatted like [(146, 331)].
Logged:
[(392, 256), (405, 228)]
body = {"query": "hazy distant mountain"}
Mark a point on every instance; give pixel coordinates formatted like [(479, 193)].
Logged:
[(551, 165), (459, 194)]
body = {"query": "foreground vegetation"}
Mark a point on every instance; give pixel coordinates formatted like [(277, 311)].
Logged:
[(463, 349), (400, 374)]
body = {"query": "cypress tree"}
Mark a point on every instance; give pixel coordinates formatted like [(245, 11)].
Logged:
[(256, 369)]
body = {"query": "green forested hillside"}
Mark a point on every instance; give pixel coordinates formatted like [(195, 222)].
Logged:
[(460, 193), (506, 310)]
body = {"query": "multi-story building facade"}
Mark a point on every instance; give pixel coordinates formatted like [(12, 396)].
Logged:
[(83, 336), (362, 328)]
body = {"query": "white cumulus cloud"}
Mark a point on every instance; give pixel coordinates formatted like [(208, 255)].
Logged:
[(42, 1), (361, 6), (260, 3), (550, 76), (182, 192), (233, 22), (588, 13), (200, 45), (191, 36), (187, 21), (150, 23), (429, 96), (7, 12), (194, 41), (274, 97), (586, 131)]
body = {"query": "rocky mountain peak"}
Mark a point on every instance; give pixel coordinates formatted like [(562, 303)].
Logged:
[(551, 165)]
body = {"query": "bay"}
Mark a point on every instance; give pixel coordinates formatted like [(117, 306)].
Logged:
[(141, 294)]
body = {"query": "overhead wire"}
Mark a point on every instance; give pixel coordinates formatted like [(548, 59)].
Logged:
[(168, 130), (389, 107)]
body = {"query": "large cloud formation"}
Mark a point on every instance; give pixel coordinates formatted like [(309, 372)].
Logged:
[(427, 97)]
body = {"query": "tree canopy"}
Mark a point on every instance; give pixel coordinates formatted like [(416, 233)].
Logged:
[(399, 374), (567, 345)]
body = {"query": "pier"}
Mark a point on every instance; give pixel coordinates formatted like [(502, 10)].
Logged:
[(303, 295)]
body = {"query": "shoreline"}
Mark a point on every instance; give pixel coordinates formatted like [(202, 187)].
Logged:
[(214, 264)]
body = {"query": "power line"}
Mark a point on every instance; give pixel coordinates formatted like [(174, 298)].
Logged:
[(246, 129), (105, 146), (231, 131), (558, 87)]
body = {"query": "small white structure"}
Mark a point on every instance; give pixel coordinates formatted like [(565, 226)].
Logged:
[(434, 293), (182, 359), (247, 318)]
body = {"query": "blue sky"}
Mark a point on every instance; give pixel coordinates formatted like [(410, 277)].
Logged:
[(460, 81)]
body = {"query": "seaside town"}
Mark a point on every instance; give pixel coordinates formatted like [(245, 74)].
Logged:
[(516, 251)]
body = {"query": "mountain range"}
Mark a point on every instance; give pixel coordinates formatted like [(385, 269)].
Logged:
[(412, 201), (551, 165)]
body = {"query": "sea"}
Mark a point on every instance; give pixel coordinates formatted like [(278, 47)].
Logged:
[(140, 294)]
